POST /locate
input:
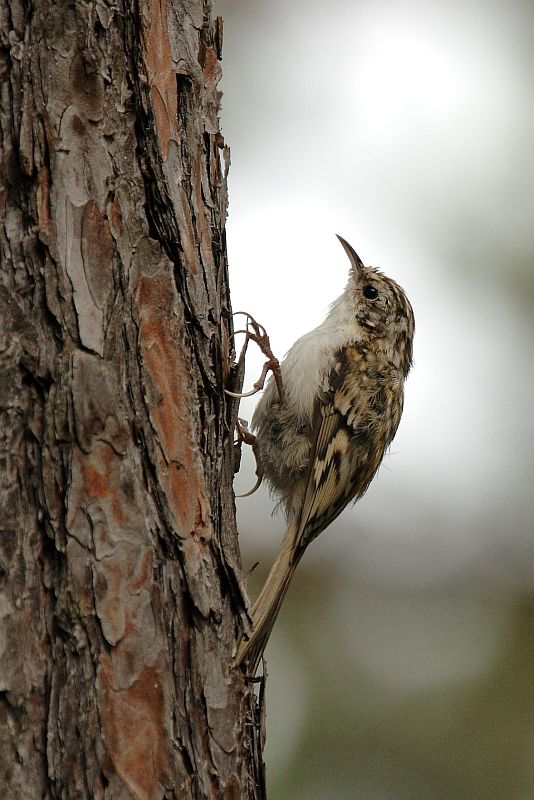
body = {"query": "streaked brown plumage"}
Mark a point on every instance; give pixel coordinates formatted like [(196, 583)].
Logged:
[(321, 447)]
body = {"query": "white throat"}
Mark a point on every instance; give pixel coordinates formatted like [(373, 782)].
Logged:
[(308, 364)]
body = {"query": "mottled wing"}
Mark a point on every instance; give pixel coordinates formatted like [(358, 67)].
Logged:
[(348, 446)]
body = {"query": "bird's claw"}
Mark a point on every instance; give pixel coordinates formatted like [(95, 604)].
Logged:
[(259, 335), (244, 435)]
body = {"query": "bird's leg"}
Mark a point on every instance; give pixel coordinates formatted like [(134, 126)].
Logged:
[(244, 435), (258, 334)]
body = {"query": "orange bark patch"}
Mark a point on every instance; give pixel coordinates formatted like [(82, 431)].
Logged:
[(101, 472), (170, 404), (108, 522), (161, 75), (143, 573), (134, 721), (212, 67)]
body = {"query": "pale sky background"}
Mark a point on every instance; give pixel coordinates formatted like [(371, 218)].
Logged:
[(408, 128)]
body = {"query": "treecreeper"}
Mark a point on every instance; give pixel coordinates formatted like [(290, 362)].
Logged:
[(322, 440)]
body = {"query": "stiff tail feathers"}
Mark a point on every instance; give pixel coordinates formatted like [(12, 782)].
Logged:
[(268, 604)]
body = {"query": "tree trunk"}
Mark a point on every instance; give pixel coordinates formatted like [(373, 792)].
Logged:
[(120, 590)]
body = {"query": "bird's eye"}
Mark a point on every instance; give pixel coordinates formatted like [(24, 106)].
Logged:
[(370, 292)]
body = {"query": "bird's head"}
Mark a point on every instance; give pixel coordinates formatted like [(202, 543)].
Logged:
[(382, 310)]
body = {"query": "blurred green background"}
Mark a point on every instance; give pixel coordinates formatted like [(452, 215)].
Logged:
[(402, 663)]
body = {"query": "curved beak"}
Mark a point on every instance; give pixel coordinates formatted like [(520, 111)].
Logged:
[(355, 260)]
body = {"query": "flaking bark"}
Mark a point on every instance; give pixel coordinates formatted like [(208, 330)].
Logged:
[(120, 589)]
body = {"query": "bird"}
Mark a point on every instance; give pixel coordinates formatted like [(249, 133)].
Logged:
[(321, 442)]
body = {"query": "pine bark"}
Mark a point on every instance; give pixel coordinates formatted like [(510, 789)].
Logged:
[(120, 590)]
